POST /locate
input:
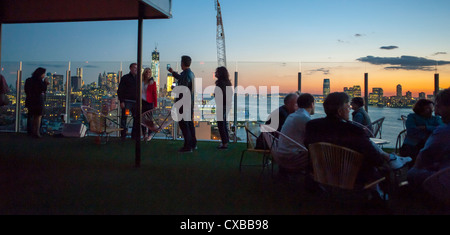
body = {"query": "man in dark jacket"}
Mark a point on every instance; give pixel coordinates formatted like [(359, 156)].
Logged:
[(127, 99), (336, 128)]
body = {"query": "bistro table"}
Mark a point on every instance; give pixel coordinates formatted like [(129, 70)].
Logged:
[(380, 142)]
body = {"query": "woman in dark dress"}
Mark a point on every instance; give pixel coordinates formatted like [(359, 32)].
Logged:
[(223, 104), (35, 88)]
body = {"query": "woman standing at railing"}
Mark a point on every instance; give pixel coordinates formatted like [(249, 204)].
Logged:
[(35, 88), (149, 98), (223, 104)]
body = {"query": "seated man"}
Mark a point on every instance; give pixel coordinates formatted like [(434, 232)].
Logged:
[(435, 155), (290, 106), (291, 156), (336, 128)]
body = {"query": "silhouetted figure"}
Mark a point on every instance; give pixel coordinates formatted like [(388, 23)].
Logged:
[(336, 128), (127, 98), (435, 155), (223, 104), (419, 126), (187, 127), (360, 115), (35, 88), (4, 89)]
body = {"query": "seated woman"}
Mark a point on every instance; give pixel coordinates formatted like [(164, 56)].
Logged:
[(419, 126), (359, 115)]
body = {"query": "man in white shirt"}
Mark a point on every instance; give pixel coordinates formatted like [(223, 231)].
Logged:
[(292, 157)]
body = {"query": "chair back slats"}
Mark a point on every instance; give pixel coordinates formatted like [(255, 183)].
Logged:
[(400, 138), (335, 165)]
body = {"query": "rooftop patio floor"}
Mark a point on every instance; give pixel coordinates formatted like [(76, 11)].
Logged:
[(76, 176)]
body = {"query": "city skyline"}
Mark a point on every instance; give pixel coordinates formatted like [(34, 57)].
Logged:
[(395, 42)]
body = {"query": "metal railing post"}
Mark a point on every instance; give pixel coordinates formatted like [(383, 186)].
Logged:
[(235, 105), (18, 95), (68, 81), (366, 92)]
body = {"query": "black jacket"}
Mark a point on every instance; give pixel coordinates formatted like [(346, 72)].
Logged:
[(347, 134), (127, 88), (35, 90)]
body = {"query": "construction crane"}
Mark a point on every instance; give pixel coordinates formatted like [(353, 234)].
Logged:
[(220, 37)]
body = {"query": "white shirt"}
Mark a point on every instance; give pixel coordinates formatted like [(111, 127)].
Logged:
[(144, 91), (294, 127)]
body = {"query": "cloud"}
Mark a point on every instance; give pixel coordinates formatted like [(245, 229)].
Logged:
[(359, 35), (388, 47), (323, 70), (440, 53), (342, 41), (404, 62)]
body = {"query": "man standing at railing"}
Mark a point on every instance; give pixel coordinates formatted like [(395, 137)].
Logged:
[(186, 78), (127, 98)]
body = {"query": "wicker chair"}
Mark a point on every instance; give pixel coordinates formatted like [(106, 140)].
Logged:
[(337, 167), (251, 144), (99, 124)]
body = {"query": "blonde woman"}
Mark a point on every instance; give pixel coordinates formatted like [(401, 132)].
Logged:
[(149, 98)]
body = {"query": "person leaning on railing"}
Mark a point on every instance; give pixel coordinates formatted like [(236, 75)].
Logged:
[(35, 88)]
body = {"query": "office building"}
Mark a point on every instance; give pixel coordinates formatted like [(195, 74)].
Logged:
[(399, 90), (326, 87), (155, 66)]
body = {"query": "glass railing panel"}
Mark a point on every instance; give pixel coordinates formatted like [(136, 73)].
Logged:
[(8, 112), (95, 84)]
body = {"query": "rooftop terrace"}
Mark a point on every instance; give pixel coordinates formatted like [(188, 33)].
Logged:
[(60, 176)]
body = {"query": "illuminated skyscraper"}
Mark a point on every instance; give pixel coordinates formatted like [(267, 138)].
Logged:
[(170, 82), (75, 83), (326, 87), (155, 66)]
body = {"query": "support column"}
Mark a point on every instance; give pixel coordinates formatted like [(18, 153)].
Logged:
[(137, 115)]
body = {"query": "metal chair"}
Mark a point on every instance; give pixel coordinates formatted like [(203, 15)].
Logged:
[(336, 168), (272, 138), (157, 120), (251, 144), (378, 127), (99, 124), (400, 138)]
